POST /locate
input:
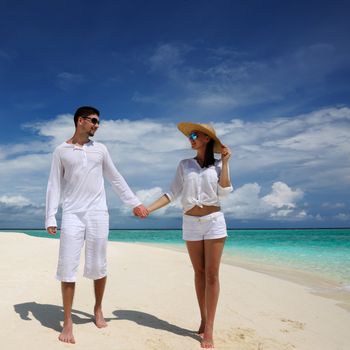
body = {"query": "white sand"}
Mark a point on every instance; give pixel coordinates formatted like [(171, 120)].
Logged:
[(150, 303)]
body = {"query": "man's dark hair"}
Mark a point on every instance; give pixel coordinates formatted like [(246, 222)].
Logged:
[(209, 154), (84, 112)]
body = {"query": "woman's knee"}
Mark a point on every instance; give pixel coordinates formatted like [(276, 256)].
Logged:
[(212, 276), (199, 271)]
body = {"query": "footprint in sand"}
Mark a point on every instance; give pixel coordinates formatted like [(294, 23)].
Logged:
[(293, 325), (246, 338)]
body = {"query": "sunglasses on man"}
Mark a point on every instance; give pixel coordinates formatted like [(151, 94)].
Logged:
[(92, 120)]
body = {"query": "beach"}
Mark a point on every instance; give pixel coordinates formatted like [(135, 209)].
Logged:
[(150, 303)]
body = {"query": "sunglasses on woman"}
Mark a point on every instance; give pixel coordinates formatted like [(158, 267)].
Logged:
[(93, 120), (193, 136)]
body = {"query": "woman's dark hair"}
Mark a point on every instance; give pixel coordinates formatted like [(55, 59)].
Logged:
[(84, 112), (209, 154)]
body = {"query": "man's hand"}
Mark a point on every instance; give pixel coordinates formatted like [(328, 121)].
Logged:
[(52, 230), (140, 211)]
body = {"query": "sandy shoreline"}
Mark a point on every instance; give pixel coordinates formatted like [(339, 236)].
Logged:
[(316, 284), (150, 304)]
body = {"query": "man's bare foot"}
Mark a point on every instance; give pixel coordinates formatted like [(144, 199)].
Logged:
[(99, 319), (66, 335), (207, 341), (201, 328)]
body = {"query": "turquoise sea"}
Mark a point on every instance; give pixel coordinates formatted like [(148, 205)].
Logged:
[(320, 252)]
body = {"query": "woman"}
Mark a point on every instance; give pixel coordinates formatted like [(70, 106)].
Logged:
[(200, 181)]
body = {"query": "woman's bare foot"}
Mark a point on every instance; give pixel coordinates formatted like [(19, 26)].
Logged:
[(99, 319), (207, 341), (201, 328), (66, 335)]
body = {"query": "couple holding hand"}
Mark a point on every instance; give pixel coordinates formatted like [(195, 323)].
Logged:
[(76, 182)]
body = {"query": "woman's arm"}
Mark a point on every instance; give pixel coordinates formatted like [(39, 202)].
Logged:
[(172, 194), (175, 191), (225, 175), (159, 203)]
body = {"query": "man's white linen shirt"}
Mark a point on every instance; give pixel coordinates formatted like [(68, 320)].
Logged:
[(76, 180), (196, 185)]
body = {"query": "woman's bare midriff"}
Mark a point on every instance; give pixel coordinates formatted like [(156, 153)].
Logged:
[(205, 210)]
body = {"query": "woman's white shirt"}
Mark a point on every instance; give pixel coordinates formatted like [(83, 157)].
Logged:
[(197, 186)]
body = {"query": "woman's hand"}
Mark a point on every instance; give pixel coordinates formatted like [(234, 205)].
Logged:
[(225, 154)]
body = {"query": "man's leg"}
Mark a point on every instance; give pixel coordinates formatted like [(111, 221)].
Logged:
[(96, 258), (67, 296), (71, 242), (99, 286)]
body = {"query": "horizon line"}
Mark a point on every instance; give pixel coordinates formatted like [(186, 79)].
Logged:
[(179, 229)]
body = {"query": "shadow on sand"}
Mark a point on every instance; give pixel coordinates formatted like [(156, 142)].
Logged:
[(51, 316), (147, 320)]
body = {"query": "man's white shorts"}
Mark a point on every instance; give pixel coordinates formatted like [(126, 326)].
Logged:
[(91, 227), (198, 228)]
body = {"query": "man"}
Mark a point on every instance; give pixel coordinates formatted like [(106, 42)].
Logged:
[(76, 182)]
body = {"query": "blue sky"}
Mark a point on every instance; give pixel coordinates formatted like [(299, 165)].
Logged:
[(272, 76)]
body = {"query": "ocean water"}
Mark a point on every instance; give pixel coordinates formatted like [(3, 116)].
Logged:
[(320, 252)]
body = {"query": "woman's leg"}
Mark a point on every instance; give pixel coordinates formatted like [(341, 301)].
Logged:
[(212, 255), (196, 253)]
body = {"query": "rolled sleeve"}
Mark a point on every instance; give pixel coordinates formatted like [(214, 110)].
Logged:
[(224, 191), (50, 222), (177, 184)]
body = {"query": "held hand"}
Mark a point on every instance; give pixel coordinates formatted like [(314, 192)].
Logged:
[(225, 154), (140, 211), (52, 230)]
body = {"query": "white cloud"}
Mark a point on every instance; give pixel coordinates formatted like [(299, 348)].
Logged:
[(215, 100), (16, 201), (150, 195), (283, 196), (57, 130), (342, 216), (333, 205), (228, 79), (21, 165), (305, 154), (287, 149), (246, 202), (318, 217)]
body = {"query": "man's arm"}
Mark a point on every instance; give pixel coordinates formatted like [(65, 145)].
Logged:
[(121, 187), (52, 230), (53, 193)]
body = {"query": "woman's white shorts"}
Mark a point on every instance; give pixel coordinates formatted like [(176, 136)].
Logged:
[(198, 228), (91, 227)]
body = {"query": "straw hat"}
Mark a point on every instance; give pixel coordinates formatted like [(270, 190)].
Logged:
[(187, 128)]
